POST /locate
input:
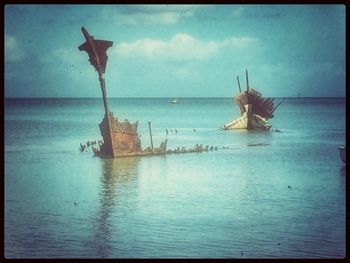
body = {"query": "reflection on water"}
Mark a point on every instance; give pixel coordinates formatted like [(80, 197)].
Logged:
[(113, 172), (230, 203)]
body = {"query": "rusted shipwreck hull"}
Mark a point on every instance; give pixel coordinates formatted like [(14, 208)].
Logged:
[(255, 110), (125, 140), (119, 138)]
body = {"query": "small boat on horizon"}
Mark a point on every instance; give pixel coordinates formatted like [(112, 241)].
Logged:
[(175, 101), (342, 152)]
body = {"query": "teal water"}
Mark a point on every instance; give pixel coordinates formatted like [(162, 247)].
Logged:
[(231, 203)]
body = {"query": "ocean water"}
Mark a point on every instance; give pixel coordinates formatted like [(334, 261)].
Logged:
[(260, 195)]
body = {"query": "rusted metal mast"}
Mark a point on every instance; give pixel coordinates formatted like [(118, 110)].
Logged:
[(239, 86), (246, 76), (96, 50), (150, 133), (110, 145)]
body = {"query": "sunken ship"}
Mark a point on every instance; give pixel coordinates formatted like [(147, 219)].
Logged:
[(255, 110), (119, 138)]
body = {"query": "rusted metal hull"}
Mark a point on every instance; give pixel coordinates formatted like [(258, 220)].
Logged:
[(125, 140), (156, 151)]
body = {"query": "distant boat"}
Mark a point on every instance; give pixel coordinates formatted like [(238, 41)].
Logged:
[(175, 101), (342, 152)]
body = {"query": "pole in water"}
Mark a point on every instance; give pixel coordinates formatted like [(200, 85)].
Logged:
[(150, 133), (239, 86), (246, 76)]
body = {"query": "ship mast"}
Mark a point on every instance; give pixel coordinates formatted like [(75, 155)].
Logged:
[(96, 50), (110, 144)]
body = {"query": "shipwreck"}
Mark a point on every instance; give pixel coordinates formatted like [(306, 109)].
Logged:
[(255, 110), (119, 138)]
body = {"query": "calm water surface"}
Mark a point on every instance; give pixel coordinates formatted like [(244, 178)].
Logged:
[(231, 203)]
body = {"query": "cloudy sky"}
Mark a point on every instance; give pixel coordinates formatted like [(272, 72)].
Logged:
[(176, 50)]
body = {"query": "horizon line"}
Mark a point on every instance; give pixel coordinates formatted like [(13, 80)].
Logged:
[(185, 97)]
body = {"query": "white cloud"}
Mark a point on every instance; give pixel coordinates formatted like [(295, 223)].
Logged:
[(150, 14), (180, 47), (13, 50), (149, 19)]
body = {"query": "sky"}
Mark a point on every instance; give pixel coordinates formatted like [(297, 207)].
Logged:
[(176, 50)]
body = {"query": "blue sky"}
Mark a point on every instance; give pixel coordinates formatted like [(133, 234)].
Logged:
[(176, 50)]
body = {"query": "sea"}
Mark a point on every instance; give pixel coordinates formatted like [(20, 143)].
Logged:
[(256, 194)]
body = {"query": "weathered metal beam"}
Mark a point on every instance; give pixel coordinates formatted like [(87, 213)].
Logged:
[(239, 86), (277, 106), (246, 76), (150, 133), (109, 144)]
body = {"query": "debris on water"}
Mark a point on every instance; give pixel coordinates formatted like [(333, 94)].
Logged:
[(257, 144), (82, 147), (197, 148), (289, 187)]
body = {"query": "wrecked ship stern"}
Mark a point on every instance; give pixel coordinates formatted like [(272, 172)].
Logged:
[(255, 110), (124, 141)]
